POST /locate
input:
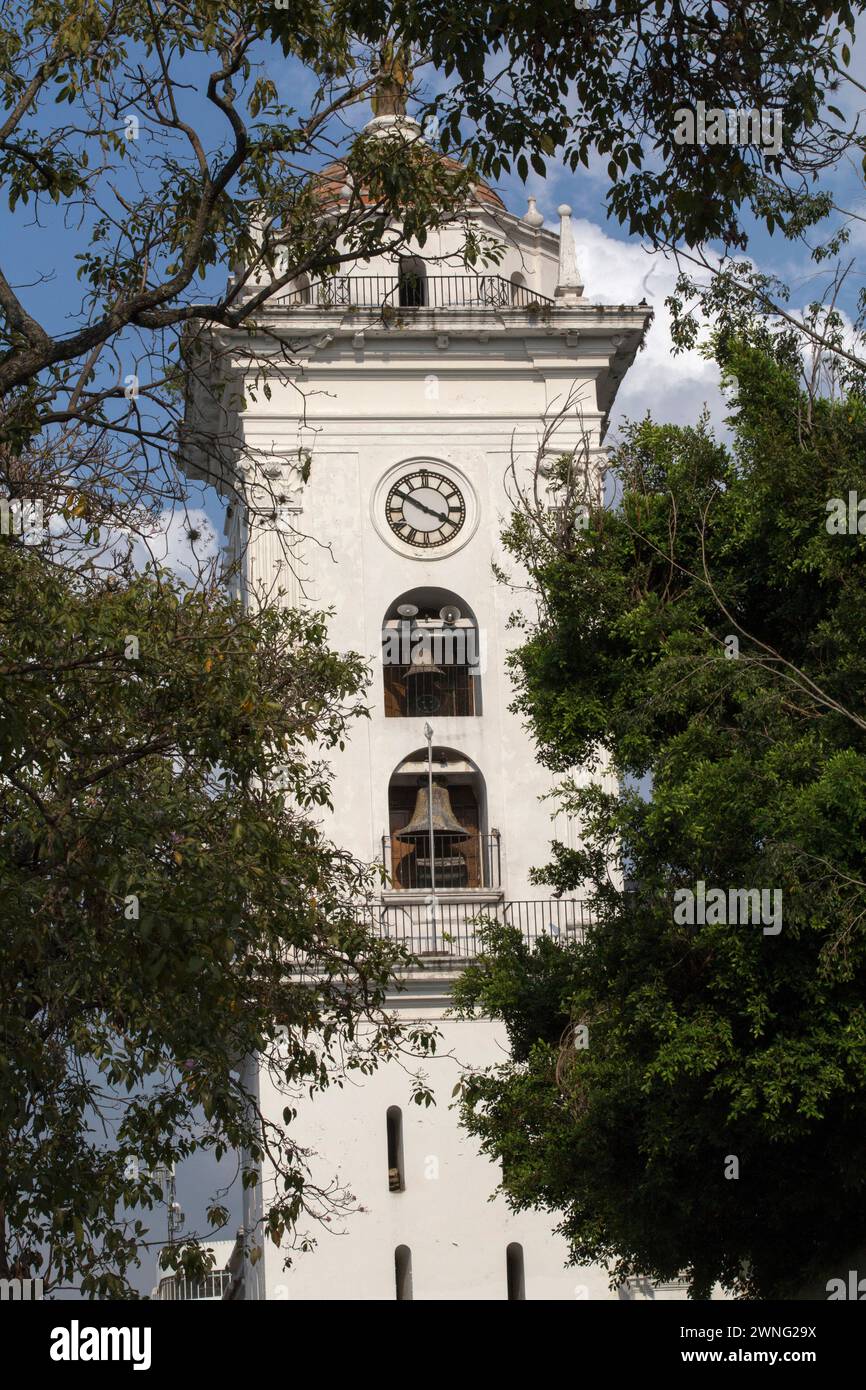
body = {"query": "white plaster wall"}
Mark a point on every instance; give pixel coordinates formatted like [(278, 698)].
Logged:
[(369, 424), (531, 251), (457, 1235)]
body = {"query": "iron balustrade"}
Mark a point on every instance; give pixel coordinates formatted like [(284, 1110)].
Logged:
[(411, 291), (175, 1288), (459, 861), (430, 926), (447, 928)]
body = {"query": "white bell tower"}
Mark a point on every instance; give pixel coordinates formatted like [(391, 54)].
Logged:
[(416, 383)]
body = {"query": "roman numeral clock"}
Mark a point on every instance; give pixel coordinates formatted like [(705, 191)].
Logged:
[(425, 509)]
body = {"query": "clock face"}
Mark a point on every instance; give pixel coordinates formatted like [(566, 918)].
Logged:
[(425, 508)]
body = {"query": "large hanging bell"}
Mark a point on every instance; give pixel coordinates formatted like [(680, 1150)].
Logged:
[(422, 663), (447, 829)]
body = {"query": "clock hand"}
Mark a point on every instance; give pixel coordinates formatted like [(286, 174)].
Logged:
[(407, 497)]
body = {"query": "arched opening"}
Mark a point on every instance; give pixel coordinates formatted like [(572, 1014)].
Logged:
[(514, 1271), (403, 1273), (431, 656), (412, 282), (299, 292), (463, 855), (518, 289), (394, 1129)]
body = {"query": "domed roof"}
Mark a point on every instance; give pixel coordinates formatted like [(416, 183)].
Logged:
[(330, 183)]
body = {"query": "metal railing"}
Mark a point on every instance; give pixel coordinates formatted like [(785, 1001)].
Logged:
[(413, 291), (174, 1288), (443, 928), (459, 861)]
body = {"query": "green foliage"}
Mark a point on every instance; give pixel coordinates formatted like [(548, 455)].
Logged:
[(527, 989), (705, 1040), (169, 135), (161, 872), (608, 79)]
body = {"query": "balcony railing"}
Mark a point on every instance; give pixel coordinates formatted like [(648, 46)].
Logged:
[(411, 292), (452, 928), (175, 1288), (459, 861)]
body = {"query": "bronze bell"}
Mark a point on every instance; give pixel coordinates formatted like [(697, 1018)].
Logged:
[(446, 826), (422, 663)]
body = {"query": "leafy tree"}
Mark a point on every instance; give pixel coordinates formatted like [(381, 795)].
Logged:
[(168, 907), (160, 139), (691, 1096)]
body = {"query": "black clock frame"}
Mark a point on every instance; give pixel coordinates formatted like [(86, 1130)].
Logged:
[(452, 497)]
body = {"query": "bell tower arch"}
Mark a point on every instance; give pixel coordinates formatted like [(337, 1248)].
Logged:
[(454, 821), (432, 659)]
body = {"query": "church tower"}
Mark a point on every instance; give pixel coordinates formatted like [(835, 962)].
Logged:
[(417, 383)]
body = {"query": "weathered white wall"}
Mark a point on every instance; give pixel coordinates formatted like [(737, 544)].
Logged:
[(451, 406), (458, 1237)]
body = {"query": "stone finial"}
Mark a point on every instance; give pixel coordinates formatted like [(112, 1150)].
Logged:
[(532, 217), (405, 126), (569, 287)]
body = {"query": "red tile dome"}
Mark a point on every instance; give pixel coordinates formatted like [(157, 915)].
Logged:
[(330, 181)]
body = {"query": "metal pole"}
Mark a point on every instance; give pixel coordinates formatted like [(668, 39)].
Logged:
[(428, 734)]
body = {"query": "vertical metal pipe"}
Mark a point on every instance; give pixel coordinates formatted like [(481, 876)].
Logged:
[(428, 734)]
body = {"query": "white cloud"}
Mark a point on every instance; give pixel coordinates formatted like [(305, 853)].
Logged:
[(185, 542), (182, 539), (674, 387)]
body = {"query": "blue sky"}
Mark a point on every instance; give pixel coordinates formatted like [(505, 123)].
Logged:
[(40, 247)]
